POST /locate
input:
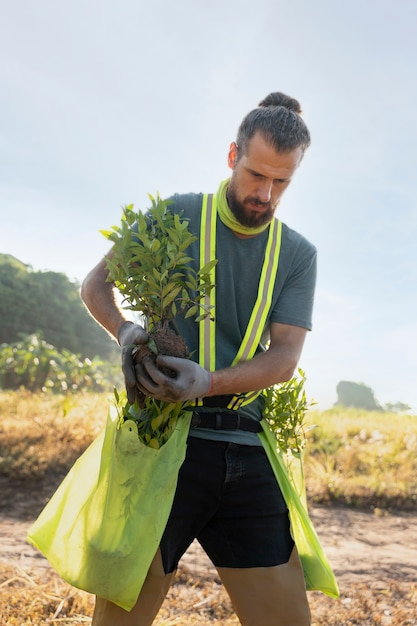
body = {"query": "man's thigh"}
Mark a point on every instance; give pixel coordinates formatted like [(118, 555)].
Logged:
[(150, 599), (228, 498), (269, 596), (251, 526)]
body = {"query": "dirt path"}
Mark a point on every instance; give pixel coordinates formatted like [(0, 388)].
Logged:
[(362, 547)]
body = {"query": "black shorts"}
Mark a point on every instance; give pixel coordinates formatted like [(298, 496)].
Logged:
[(228, 499)]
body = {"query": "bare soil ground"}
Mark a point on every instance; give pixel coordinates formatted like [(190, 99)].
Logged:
[(362, 547), (367, 549)]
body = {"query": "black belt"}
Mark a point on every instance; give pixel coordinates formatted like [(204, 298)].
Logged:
[(225, 421), (217, 402)]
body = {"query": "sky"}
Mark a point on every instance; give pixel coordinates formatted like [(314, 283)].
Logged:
[(103, 103)]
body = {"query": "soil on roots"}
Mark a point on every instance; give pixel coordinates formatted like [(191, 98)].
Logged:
[(168, 343)]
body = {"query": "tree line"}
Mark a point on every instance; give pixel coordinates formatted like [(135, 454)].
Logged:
[(48, 303), (48, 340)]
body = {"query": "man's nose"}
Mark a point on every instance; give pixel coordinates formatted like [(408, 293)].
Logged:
[(265, 191)]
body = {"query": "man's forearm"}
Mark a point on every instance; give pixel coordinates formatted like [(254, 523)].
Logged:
[(275, 365), (267, 369)]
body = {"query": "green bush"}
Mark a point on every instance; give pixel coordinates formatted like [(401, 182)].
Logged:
[(36, 365)]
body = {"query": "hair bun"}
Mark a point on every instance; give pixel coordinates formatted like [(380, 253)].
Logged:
[(278, 99)]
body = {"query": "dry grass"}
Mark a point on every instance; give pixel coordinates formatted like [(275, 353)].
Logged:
[(46, 599), (39, 433), (40, 599), (366, 459), (358, 458), (391, 604)]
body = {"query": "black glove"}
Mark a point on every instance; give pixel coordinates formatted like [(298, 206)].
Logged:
[(130, 336), (191, 380)]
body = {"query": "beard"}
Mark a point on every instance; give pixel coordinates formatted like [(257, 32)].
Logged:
[(244, 214)]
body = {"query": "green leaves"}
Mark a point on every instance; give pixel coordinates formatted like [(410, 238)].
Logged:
[(155, 423), (285, 409), (151, 268), (36, 365)]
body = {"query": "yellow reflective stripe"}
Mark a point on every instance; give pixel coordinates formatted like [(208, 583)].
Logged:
[(260, 311), (243, 399), (207, 326), (257, 321)]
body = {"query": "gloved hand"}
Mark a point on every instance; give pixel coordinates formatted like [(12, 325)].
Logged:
[(191, 380), (130, 336)]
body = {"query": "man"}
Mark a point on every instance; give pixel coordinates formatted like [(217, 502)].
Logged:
[(227, 496)]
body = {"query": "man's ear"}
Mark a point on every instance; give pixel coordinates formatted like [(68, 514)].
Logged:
[(232, 156)]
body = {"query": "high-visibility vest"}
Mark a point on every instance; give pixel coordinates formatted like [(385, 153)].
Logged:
[(317, 570), (257, 320)]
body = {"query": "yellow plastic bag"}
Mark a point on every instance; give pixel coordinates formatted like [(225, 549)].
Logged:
[(318, 573), (103, 525)]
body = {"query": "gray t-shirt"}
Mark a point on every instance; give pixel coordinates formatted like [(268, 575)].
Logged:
[(237, 278)]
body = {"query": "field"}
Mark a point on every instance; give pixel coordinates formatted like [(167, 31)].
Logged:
[(361, 476)]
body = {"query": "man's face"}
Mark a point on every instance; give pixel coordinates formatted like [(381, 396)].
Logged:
[(258, 180)]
